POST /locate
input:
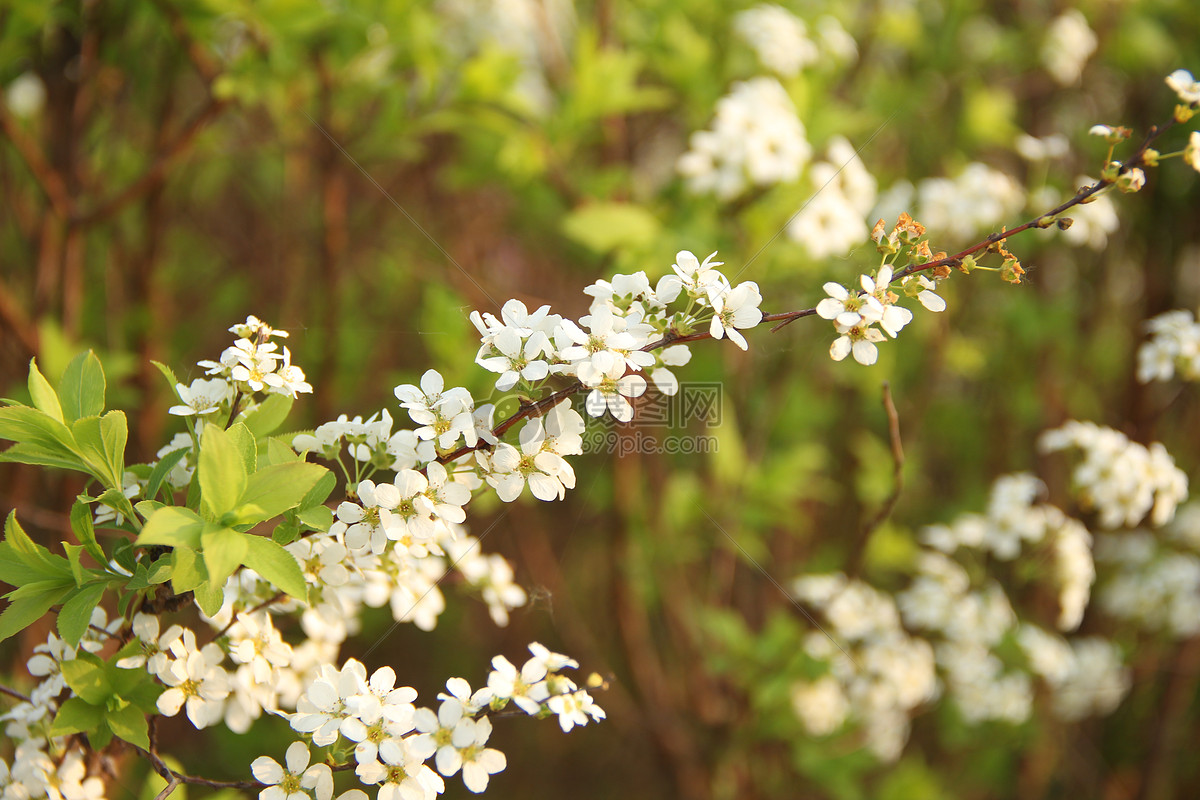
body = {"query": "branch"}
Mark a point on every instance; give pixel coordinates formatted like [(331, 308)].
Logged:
[(889, 504), (47, 177), (162, 162)]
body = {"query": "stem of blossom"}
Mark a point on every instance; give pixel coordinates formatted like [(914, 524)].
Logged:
[(897, 446), (14, 693)]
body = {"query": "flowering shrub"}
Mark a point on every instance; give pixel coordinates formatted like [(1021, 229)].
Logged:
[(224, 581)]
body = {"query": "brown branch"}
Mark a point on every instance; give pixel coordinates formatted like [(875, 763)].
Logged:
[(163, 161), (47, 177), (200, 58), (13, 316), (14, 693), (889, 504)]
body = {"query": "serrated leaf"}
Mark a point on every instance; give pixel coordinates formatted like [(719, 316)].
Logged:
[(45, 399), (276, 565), (172, 526), (88, 678), (167, 373), (269, 415), (222, 470), (164, 466), (223, 549), (74, 558), (30, 552), (76, 612), (85, 531), (81, 390), (275, 489), (287, 531), (76, 715), (144, 577), (279, 452), (28, 609), (129, 723)]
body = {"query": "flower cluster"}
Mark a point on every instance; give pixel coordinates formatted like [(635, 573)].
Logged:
[(252, 364), (1121, 480), (1155, 580), (832, 221), (756, 139), (782, 43), (1173, 346), (855, 314), (878, 674)]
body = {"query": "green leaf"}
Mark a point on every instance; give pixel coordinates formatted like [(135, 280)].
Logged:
[(36, 455), (319, 518), (604, 227), (222, 471), (224, 549), (172, 526), (279, 452), (269, 415), (76, 715), (85, 530), (276, 565), (87, 676), (89, 443), (320, 491), (210, 597), (187, 570), (159, 474), (114, 429), (144, 577), (145, 694), (76, 612), (28, 609), (275, 489), (246, 445), (74, 558), (167, 373), (37, 429), (30, 552), (45, 399), (81, 389), (129, 723)]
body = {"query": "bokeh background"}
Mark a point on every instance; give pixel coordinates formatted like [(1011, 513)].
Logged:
[(365, 174)]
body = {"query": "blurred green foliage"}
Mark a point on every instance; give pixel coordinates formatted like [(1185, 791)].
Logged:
[(364, 174)]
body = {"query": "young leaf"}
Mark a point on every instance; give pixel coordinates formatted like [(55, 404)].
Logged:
[(76, 611), (275, 564), (273, 490), (30, 426), (172, 526), (319, 518), (320, 491), (29, 608), (87, 676), (187, 570), (81, 390), (162, 469), (269, 415), (114, 429), (36, 455), (129, 723), (89, 443), (276, 451), (244, 439), (224, 549), (30, 552), (209, 597), (222, 471), (76, 715), (85, 530), (167, 373), (45, 399)]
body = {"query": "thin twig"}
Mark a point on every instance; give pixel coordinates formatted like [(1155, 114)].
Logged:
[(47, 177), (889, 504)]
